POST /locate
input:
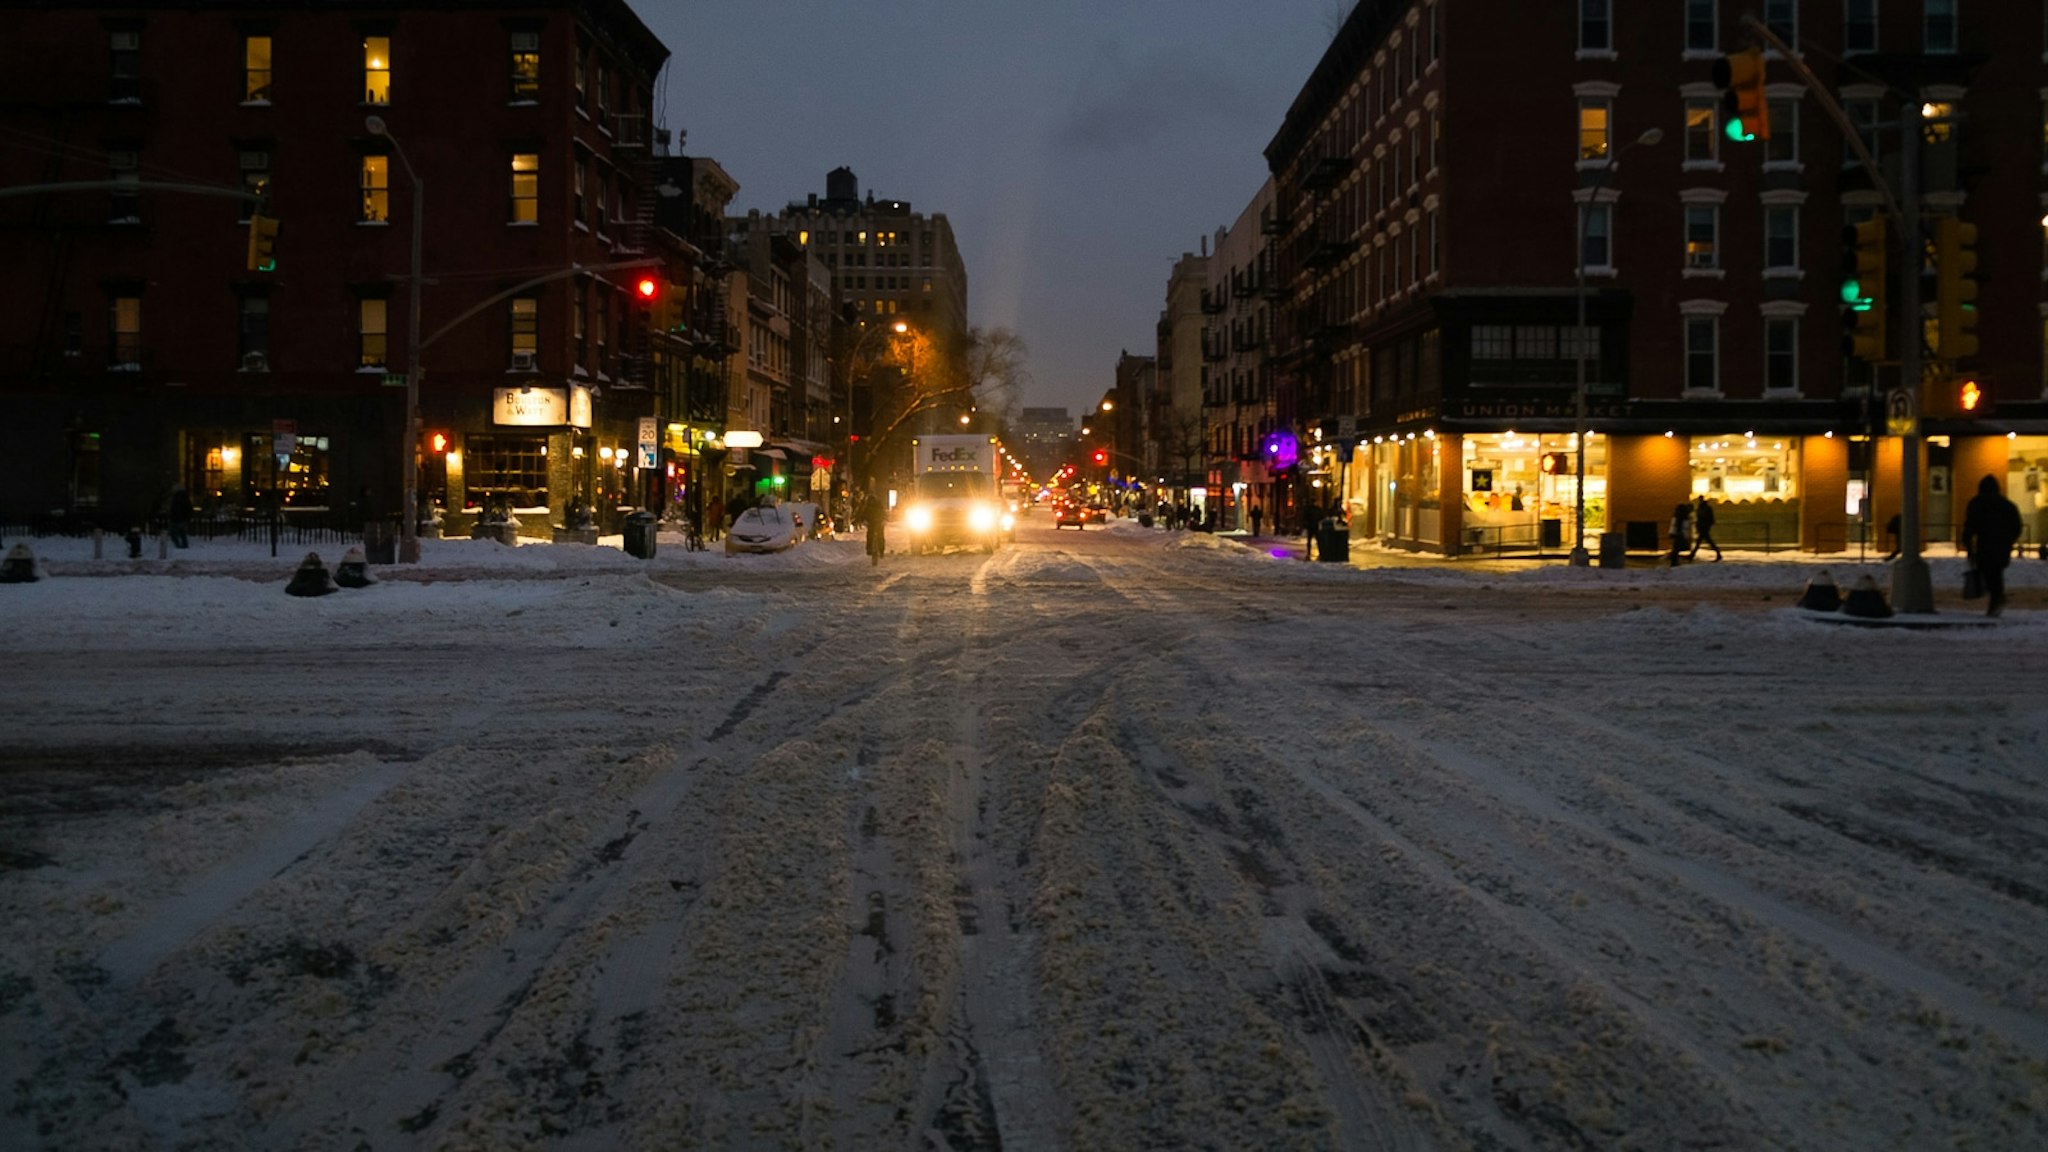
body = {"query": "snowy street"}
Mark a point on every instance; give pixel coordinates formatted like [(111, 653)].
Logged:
[(1113, 840)]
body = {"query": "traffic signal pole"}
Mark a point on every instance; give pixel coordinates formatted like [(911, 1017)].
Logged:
[(1912, 590)]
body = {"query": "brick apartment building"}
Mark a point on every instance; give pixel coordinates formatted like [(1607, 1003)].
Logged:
[(138, 349), (1429, 182)]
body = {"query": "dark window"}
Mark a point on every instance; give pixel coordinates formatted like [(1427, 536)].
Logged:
[(253, 334), (124, 76), (1859, 26), (1596, 33), (1700, 33), (1701, 341), (125, 205), (1781, 353)]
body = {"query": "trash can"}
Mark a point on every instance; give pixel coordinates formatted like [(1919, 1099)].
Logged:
[(1551, 534), (380, 541), (1613, 550), (1333, 541), (1642, 536), (640, 535)]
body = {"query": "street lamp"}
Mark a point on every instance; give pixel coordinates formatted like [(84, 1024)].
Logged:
[(409, 511), (1579, 559)]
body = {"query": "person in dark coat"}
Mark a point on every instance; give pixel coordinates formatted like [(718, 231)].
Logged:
[(1891, 532), (1258, 515), (876, 517), (180, 516), (1681, 531), (1703, 529), (1991, 526)]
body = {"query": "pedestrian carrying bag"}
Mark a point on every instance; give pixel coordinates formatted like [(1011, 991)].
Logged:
[(1973, 583)]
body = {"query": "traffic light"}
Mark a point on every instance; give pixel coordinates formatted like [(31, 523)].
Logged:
[(1955, 288), (1100, 457), (1958, 398), (647, 289), (1745, 107), (262, 243), (1866, 260)]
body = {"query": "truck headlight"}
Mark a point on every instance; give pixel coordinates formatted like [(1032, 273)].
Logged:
[(919, 518), (982, 518)]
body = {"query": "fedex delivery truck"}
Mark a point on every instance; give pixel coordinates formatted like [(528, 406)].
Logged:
[(954, 494)]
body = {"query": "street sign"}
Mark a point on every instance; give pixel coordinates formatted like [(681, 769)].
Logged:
[(394, 379), (1900, 418), (650, 439)]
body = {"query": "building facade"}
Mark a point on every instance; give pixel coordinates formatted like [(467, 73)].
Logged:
[(1436, 251), (141, 346), (1238, 396)]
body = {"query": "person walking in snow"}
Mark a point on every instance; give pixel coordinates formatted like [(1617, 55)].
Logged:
[(1681, 531), (1258, 515), (876, 517), (1991, 526), (1703, 529), (180, 516)]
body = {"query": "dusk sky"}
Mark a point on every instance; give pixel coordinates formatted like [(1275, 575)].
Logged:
[(1077, 146)]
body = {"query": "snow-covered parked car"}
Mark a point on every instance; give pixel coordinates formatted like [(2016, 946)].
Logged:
[(769, 529)]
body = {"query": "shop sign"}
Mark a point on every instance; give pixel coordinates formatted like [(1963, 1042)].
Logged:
[(579, 406), (284, 437), (1530, 409), (530, 407)]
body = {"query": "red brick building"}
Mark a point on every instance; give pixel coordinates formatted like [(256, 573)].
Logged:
[(1431, 180), (139, 349)]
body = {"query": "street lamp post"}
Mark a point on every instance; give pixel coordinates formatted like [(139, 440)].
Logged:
[(1579, 558), (409, 511)]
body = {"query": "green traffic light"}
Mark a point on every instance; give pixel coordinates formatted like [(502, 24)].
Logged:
[(1735, 132), (1852, 293)]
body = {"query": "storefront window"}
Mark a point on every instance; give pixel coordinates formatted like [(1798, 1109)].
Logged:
[(2026, 484), (1513, 482), (1743, 467), (298, 482), (507, 470)]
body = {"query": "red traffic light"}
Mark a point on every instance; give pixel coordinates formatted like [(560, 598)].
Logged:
[(646, 288), (1101, 457)]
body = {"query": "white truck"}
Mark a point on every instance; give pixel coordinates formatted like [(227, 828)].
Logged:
[(955, 497)]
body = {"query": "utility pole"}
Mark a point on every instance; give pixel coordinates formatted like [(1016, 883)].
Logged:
[(1912, 588)]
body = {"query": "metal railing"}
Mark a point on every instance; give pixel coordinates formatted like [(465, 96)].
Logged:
[(1539, 541)]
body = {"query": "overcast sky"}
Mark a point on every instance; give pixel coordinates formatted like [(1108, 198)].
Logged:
[(1077, 146)]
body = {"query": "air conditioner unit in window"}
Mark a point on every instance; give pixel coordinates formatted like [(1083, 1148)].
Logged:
[(255, 362), (524, 362)]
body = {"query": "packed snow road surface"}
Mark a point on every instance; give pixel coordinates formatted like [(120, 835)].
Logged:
[(1116, 841)]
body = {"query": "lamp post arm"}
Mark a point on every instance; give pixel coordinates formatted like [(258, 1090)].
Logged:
[(1825, 98), (516, 289)]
